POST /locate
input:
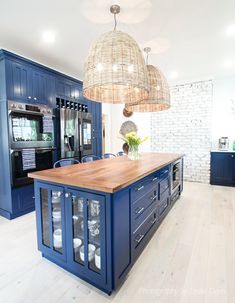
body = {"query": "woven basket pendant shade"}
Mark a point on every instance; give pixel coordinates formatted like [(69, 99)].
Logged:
[(159, 94), (115, 70)]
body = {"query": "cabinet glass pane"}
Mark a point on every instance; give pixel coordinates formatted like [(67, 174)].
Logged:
[(94, 257), (78, 228), (56, 220), (45, 217)]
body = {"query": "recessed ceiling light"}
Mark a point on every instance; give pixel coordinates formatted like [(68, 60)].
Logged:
[(228, 64), (173, 75), (230, 31), (48, 37)]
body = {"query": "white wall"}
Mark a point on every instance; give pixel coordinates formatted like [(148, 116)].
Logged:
[(220, 122), (186, 128), (223, 117)]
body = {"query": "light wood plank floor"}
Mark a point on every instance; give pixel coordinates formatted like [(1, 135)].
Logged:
[(191, 258)]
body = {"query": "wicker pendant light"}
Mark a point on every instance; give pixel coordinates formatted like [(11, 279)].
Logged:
[(159, 93), (115, 71)]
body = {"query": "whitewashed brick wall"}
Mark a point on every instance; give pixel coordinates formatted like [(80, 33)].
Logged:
[(186, 128)]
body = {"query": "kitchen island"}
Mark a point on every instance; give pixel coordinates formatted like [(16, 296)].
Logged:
[(94, 219)]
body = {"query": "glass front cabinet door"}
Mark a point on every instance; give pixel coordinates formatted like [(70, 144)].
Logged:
[(86, 234), (51, 220)]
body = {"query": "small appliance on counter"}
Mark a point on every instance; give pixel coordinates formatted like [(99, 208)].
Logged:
[(224, 143)]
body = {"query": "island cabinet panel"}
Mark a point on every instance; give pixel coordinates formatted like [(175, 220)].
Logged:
[(121, 235), (50, 211), (86, 235), (72, 231)]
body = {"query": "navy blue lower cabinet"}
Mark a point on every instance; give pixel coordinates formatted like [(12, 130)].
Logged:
[(223, 168), (98, 236)]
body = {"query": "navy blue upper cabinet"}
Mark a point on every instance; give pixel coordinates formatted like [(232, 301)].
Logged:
[(42, 85), (68, 89), (223, 168), (28, 84), (18, 81)]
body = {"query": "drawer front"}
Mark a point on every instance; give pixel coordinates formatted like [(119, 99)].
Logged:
[(140, 188), (163, 186), (140, 205), (163, 205), (142, 231), (164, 172)]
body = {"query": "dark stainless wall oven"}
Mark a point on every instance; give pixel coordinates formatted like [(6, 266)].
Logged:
[(43, 160), (28, 130)]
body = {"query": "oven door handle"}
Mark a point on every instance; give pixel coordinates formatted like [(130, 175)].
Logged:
[(25, 112)]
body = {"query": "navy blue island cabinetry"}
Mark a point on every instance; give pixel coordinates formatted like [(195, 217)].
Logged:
[(25, 82), (95, 219)]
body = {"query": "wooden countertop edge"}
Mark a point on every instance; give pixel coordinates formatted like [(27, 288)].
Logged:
[(98, 187)]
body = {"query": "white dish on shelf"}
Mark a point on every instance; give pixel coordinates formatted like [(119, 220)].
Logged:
[(77, 242), (57, 243), (56, 213), (91, 252), (56, 220), (97, 258), (57, 235)]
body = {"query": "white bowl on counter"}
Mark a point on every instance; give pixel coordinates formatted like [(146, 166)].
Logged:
[(91, 252), (97, 258), (76, 244)]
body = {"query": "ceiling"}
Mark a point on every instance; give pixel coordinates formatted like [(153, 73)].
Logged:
[(188, 37)]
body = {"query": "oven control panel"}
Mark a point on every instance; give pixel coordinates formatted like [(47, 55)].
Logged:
[(22, 107)]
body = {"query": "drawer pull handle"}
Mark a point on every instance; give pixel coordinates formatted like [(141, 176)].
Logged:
[(140, 188), (139, 210), (154, 179), (139, 239), (152, 222), (166, 171), (153, 198)]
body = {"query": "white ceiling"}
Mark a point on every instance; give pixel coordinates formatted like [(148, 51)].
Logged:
[(187, 36)]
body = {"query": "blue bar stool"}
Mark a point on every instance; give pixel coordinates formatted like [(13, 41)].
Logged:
[(108, 155), (121, 154), (90, 158), (65, 162)]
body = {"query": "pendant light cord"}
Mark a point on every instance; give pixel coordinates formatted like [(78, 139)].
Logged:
[(147, 50), (115, 21), (147, 58)]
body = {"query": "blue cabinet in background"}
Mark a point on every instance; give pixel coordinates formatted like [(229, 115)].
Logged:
[(223, 168)]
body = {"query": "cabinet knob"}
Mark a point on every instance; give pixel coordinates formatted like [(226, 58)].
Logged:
[(232, 156), (35, 98), (67, 195), (29, 97)]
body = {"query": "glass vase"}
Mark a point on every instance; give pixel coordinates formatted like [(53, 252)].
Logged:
[(133, 153)]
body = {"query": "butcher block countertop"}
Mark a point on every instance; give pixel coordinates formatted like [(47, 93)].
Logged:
[(107, 175)]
